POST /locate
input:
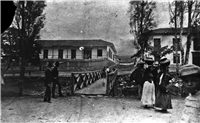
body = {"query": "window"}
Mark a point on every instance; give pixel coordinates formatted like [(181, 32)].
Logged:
[(176, 43), (110, 54), (60, 54), (157, 43), (174, 57), (196, 44), (87, 54), (45, 55), (99, 53), (73, 54)]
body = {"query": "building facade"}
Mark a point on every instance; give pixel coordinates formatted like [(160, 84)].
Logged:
[(78, 52), (165, 37)]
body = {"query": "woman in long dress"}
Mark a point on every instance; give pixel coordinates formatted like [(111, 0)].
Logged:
[(163, 98), (148, 93)]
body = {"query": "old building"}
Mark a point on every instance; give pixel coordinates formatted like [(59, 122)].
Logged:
[(165, 37), (79, 53)]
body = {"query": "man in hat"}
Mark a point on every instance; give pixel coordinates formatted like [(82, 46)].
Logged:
[(190, 74), (137, 76), (163, 98), (48, 82), (56, 80)]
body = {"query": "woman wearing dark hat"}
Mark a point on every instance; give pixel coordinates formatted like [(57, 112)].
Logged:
[(190, 74), (163, 98), (137, 76), (149, 68)]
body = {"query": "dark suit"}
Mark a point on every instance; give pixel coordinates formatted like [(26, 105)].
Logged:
[(163, 98), (47, 84), (56, 82)]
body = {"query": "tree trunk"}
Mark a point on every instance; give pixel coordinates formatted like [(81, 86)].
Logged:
[(181, 32), (188, 48), (188, 43), (22, 72)]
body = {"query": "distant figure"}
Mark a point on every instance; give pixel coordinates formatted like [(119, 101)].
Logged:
[(103, 73), (190, 74), (2, 80), (7, 12), (108, 70), (48, 82), (148, 92), (163, 98), (55, 74)]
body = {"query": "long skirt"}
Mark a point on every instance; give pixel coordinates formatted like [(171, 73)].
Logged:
[(148, 94), (163, 100)]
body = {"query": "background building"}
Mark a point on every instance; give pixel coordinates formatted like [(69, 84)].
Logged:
[(95, 53)]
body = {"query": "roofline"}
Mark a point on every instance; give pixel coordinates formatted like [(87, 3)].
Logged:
[(109, 43)]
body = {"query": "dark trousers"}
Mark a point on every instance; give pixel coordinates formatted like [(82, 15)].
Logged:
[(56, 82), (47, 96)]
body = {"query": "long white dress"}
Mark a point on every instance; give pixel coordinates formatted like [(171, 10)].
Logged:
[(148, 94)]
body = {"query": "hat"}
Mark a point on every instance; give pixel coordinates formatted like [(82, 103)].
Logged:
[(149, 61), (57, 63), (140, 62), (189, 69), (50, 64), (164, 62)]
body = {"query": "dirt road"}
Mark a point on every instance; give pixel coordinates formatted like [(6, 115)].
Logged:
[(84, 109)]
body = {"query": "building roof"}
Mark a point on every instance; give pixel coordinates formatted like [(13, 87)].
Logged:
[(78, 43), (166, 31)]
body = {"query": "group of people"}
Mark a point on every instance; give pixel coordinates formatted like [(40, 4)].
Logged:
[(154, 84), (51, 80), (153, 78)]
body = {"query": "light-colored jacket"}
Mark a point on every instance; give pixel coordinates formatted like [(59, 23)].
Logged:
[(191, 112)]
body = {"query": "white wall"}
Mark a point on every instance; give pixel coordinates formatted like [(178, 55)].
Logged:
[(53, 53), (108, 47), (168, 40)]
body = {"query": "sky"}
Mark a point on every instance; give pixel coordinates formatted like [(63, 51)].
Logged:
[(91, 19)]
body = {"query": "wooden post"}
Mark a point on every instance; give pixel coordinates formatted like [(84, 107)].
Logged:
[(72, 83), (107, 84)]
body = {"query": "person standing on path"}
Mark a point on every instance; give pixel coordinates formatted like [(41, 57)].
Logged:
[(48, 82), (55, 74), (148, 92), (163, 98), (190, 74)]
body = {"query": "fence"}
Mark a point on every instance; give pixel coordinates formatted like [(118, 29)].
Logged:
[(83, 79), (111, 83)]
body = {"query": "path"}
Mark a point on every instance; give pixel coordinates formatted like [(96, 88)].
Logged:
[(98, 87), (85, 109)]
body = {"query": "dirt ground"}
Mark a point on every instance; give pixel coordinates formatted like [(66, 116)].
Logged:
[(84, 109)]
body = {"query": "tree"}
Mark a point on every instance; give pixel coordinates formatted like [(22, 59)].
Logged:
[(141, 21), (28, 21), (9, 47), (177, 11)]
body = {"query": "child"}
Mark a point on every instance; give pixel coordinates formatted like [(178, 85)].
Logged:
[(148, 92), (190, 74)]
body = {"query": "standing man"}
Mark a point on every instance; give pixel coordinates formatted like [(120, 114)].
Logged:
[(55, 74), (48, 82), (163, 98)]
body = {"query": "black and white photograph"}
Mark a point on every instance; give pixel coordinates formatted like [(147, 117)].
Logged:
[(100, 61)]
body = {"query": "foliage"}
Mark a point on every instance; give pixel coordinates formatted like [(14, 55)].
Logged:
[(141, 20), (159, 53), (177, 11)]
